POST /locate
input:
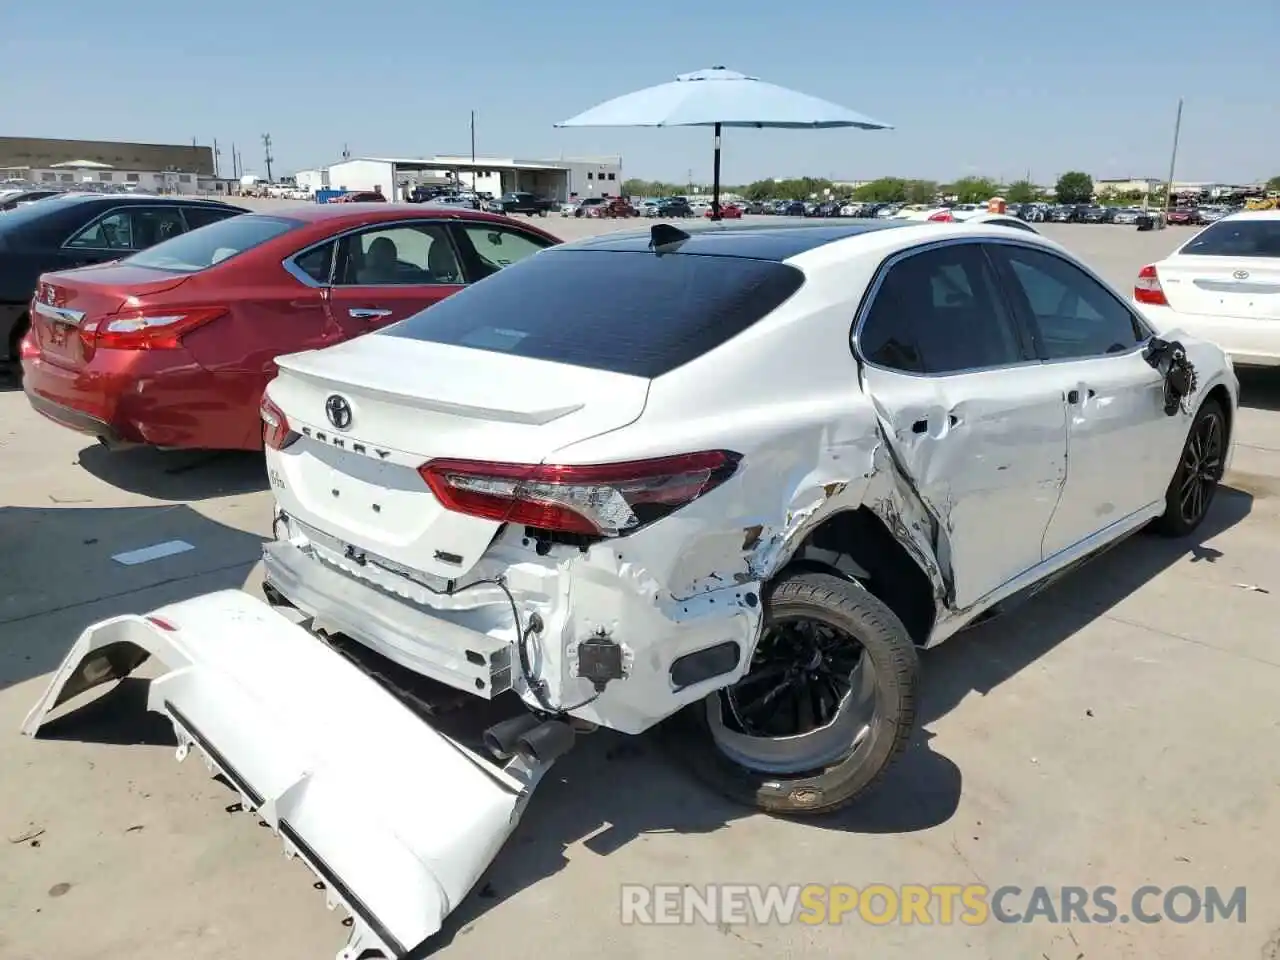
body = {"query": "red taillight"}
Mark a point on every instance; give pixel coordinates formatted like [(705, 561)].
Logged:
[(27, 347), (155, 328), (606, 499), (942, 216), (276, 433), (1147, 289)]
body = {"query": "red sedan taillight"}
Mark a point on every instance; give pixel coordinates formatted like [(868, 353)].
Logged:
[(1147, 289), (158, 328), (27, 346), (276, 432), (607, 499), (943, 216)]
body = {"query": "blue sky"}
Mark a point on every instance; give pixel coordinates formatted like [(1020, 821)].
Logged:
[(995, 87)]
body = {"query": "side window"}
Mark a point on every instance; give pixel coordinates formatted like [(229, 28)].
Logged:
[(203, 216), (112, 232), (1077, 317), (316, 262), (941, 312), (490, 248), (419, 253), (151, 225)]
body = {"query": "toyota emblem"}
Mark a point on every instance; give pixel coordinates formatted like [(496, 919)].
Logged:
[(1241, 274), (338, 411)]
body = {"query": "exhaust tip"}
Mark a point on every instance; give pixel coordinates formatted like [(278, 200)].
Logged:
[(503, 739), (547, 742)]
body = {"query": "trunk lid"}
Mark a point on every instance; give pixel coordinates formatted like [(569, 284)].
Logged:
[(68, 304), (407, 402), (1241, 287)]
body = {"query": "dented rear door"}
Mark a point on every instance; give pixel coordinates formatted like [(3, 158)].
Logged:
[(975, 430)]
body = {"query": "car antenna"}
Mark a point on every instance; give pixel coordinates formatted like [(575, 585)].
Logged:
[(664, 238)]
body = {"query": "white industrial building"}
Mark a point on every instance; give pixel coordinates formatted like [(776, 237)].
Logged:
[(556, 179)]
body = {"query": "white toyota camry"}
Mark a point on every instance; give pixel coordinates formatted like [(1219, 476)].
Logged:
[(745, 471), (1223, 285)]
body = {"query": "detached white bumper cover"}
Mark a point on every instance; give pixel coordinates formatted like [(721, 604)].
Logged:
[(398, 820)]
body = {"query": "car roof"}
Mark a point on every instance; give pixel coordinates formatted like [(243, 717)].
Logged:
[(1253, 215), (125, 199), (755, 241), (374, 212)]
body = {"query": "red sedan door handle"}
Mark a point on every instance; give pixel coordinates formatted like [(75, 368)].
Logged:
[(368, 313)]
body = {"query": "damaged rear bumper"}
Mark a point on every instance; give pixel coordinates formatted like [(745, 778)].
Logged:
[(422, 642), (397, 820)]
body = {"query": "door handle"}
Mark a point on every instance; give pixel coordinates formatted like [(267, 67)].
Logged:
[(367, 313), (1073, 396)]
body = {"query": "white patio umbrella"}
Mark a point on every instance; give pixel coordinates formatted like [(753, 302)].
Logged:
[(720, 98)]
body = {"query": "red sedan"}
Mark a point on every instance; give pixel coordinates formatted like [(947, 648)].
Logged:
[(173, 346), (728, 211)]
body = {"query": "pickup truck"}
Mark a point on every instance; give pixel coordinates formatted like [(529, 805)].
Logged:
[(526, 203)]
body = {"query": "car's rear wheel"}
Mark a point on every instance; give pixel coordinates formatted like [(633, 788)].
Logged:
[(828, 703), (1200, 469)]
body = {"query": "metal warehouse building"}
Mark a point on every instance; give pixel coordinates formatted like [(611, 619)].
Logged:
[(37, 153), (557, 179)]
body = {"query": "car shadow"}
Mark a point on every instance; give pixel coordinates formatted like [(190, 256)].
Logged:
[(59, 574), (177, 475), (10, 377), (583, 801), (1259, 387), (981, 658)]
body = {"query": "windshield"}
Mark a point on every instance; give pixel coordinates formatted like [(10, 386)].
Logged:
[(207, 246), (1237, 238)]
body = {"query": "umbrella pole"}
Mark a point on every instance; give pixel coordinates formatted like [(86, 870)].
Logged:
[(715, 179)]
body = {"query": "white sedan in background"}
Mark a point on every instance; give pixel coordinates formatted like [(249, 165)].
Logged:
[(1222, 285)]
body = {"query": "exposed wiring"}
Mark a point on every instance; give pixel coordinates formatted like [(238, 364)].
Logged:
[(523, 633)]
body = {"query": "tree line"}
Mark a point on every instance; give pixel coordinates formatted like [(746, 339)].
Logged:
[(1074, 186)]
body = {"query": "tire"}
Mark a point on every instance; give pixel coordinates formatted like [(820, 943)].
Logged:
[(862, 629), (1199, 472)]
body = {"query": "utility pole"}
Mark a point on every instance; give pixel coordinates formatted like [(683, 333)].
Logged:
[(216, 154), (1173, 159), (235, 163), (346, 154), (473, 151), (266, 150)]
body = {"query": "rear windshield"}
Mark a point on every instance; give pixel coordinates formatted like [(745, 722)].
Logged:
[(202, 248), (633, 313), (1237, 238)]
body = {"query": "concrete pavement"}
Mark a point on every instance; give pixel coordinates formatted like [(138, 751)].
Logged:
[(1119, 729)]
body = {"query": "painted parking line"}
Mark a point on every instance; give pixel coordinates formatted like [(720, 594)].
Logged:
[(157, 551)]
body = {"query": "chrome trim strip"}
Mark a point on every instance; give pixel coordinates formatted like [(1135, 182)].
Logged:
[(58, 314)]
